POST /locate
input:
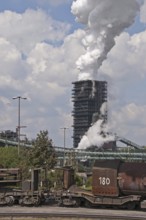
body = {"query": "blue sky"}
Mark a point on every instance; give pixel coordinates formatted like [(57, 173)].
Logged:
[(59, 11), (40, 42)]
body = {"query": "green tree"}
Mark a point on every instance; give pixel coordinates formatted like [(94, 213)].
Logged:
[(8, 157), (43, 153)]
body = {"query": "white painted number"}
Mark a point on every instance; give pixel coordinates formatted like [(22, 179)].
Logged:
[(104, 181)]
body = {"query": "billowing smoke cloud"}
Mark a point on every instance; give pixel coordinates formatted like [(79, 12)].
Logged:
[(97, 135), (104, 20)]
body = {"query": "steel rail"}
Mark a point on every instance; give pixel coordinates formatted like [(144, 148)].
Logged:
[(74, 215)]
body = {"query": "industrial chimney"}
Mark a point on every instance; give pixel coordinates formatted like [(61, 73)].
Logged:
[(88, 97)]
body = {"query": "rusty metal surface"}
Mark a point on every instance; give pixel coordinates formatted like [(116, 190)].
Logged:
[(113, 164), (10, 176), (68, 177), (104, 179), (132, 178)]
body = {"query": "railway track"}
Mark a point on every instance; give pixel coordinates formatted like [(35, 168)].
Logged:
[(51, 213)]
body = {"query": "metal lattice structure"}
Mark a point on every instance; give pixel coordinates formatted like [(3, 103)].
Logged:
[(88, 97)]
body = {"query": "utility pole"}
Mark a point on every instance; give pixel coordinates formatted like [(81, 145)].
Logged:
[(64, 143), (18, 127)]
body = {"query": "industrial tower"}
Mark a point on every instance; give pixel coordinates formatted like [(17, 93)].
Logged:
[(88, 97)]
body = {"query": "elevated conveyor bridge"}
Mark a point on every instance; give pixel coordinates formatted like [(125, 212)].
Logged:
[(65, 153), (128, 142)]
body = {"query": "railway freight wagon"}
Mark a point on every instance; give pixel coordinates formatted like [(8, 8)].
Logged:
[(14, 190), (114, 184)]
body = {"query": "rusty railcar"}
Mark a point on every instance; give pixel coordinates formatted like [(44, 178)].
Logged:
[(114, 178), (132, 178), (104, 178), (114, 184), (14, 190)]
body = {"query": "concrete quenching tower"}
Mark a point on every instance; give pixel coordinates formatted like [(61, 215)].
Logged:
[(88, 97)]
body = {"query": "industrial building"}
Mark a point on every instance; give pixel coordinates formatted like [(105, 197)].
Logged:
[(88, 97)]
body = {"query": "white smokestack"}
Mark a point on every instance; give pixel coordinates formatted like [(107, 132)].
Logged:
[(104, 20)]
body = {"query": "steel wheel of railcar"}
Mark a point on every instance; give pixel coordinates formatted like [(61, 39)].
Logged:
[(36, 201), (9, 200)]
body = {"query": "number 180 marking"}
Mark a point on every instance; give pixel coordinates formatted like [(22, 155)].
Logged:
[(104, 181)]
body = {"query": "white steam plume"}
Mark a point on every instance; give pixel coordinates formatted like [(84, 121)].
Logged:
[(104, 20), (98, 134)]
